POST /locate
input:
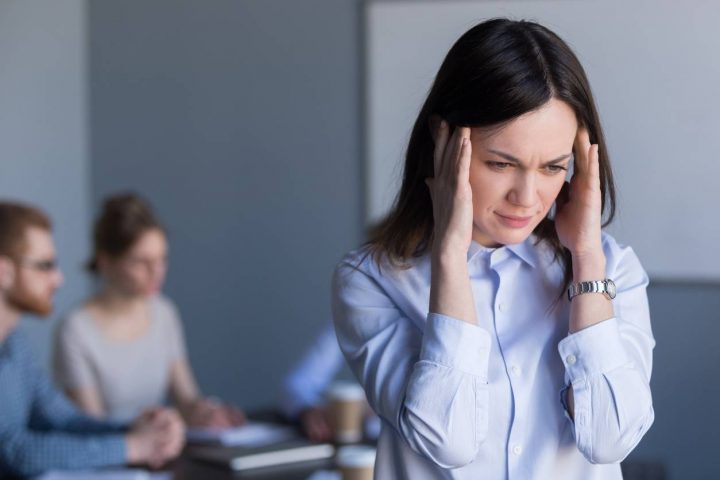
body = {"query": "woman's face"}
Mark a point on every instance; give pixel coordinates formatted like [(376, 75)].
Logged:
[(141, 271), (517, 171)]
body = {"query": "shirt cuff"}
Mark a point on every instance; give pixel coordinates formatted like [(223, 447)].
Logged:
[(593, 350), (456, 344)]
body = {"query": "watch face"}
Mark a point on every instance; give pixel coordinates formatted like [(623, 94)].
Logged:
[(611, 290)]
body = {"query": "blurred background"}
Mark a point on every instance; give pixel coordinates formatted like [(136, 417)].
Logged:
[(268, 133)]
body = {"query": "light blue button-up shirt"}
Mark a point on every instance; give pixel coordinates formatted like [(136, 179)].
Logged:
[(464, 401)]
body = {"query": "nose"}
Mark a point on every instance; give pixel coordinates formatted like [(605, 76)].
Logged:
[(524, 190)]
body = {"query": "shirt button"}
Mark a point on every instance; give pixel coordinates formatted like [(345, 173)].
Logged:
[(571, 359), (517, 449), (501, 307), (516, 370)]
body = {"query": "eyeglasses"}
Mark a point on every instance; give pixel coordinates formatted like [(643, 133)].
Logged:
[(39, 265)]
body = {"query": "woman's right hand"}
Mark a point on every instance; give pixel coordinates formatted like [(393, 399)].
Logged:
[(450, 291), (450, 191)]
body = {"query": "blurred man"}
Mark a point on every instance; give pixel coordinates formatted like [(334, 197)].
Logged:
[(39, 428)]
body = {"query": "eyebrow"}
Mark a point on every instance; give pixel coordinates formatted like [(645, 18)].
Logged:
[(513, 159)]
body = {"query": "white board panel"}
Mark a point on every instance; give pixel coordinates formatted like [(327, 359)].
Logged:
[(655, 73)]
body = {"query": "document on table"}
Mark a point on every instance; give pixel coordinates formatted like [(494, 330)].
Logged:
[(111, 474), (252, 434)]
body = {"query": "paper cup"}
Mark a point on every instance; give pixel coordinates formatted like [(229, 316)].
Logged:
[(347, 407), (356, 462)]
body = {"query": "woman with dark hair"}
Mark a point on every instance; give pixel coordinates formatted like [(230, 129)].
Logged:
[(123, 350), (489, 265)]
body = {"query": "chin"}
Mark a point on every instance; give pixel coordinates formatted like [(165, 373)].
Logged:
[(512, 237)]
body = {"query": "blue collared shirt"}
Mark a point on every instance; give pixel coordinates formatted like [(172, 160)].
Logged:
[(39, 428), (464, 401), (305, 385)]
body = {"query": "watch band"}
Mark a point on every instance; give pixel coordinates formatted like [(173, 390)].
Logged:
[(606, 287)]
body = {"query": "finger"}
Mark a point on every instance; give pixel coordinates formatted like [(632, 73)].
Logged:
[(465, 154), (441, 139), (449, 163), (594, 164), (220, 420), (434, 123), (581, 150)]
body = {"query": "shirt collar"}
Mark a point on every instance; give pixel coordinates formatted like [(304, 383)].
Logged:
[(478, 250), (526, 250)]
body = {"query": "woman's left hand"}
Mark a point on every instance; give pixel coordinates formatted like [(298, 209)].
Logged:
[(578, 220)]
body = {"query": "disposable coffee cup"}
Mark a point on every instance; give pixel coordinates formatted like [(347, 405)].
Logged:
[(356, 462), (347, 407)]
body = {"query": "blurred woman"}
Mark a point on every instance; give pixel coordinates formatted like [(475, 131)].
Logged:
[(123, 349)]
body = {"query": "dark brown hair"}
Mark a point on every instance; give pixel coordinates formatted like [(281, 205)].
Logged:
[(15, 219), (123, 220), (498, 70)]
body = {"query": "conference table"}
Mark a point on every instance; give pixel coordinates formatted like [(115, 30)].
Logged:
[(188, 468)]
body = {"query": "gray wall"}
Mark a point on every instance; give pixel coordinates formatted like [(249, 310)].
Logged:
[(240, 122), (43, 134)]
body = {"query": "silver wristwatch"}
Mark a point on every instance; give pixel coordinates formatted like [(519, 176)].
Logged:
[(606, 287)]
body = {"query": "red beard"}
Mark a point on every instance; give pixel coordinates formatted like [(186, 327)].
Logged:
[(25, 302)]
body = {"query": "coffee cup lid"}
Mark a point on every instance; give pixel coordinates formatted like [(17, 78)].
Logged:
[(346, 391), (356, 456)]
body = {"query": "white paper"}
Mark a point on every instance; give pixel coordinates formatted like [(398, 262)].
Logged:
[(252, 434)]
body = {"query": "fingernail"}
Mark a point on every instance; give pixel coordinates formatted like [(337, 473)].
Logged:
[(443, 124)]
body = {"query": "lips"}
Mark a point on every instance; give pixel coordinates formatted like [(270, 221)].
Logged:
[(513, 221)]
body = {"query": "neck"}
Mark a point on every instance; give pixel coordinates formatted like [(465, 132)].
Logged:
[(117, 301), (9, 318)]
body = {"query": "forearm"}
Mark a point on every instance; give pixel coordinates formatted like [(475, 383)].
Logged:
[(592, 308), (450, 291), (184, 388), (28, 453)]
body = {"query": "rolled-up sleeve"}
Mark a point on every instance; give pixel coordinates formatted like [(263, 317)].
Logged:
[(609, 365), (431, 384)]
